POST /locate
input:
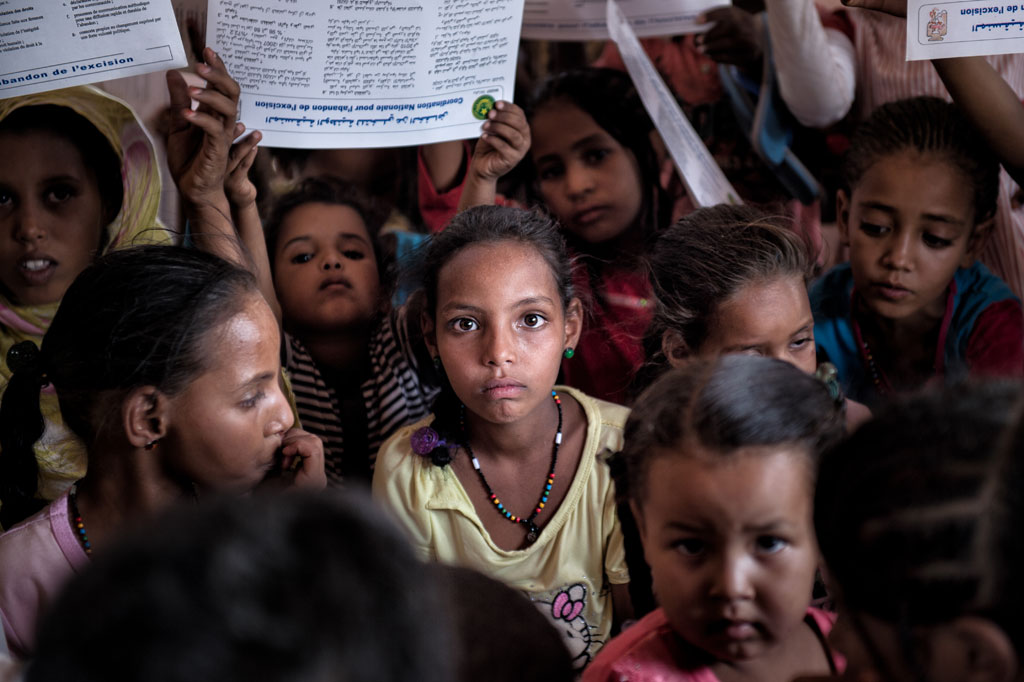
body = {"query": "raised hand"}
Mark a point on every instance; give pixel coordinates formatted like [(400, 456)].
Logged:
[(199, 142), (503, 144), (734, 39)]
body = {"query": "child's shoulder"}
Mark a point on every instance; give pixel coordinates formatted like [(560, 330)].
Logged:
[(645, 651), (606, 421)]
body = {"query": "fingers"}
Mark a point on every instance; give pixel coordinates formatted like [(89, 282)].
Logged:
[(243, 152), (304, 453)]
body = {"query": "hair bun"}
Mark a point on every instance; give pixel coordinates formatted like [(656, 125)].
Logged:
[(24, 357)]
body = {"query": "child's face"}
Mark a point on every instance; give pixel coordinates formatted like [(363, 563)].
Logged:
[(225, 429), (731, 547), (771, 318), (325, 270), (908, 223), (589, 181), (51, 216), (500, 329)]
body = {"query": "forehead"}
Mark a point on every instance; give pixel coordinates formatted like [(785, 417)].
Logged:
[(40, 154), (319, 220), (496, 273), (765, 309), (748, 486), (917, 183), (559, 126), (246, 341)]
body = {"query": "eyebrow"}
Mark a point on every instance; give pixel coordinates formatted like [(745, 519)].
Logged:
[(343, 235), (528, 301), (258, 379), (584, 142), (934, 217)]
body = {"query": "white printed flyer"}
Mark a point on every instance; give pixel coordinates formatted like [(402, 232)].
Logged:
[(364, 73), (575, 20), (705, 182), (936, 30), (51, 44)]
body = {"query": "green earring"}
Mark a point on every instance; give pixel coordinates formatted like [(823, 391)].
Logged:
[(569, 352)]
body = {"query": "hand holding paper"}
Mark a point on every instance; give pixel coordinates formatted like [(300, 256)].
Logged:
[(199, 141)]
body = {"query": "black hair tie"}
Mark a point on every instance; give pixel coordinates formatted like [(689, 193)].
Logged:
[(24, 358)]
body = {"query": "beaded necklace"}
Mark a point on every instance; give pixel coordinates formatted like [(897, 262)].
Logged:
[(533, 532), (77, 517)]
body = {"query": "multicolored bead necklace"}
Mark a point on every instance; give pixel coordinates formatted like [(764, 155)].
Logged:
[(77, 518), (532, 531)]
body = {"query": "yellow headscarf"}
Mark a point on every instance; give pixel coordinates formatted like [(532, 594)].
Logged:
[(60, 455)]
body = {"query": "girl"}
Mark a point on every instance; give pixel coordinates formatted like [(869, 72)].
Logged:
[(87, 180), (913, 304), (501, 313), (594, 168), (165, 364), (926, 568), (720, 459)]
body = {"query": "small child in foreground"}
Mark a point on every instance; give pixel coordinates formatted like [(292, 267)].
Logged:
[(720, 459)]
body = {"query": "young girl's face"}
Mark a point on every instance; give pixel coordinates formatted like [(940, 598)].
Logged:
[(226, 427), (771, 318), (51, 216), (909, 224), (325, 270), (589, 181), (500, 329), (731, 546)]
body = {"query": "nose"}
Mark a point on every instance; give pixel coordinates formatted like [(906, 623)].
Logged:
[(579, 180), (280, 416), (28, 226), (500, 347), (733, 577), (899, 251), (332, 260)]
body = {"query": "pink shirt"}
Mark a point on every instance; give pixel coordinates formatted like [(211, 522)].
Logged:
[(37, 558), (649, 652)]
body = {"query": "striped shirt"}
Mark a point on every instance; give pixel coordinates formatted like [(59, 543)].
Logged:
[(393, 395)]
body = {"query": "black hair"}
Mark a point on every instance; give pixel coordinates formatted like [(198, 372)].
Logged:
[(610, 98), (285, 588), (720, 406), (98, 156), (520, 645), (328, 190), (928, 125), (703, 260), (919, 513), (135, 317), (487, 225)]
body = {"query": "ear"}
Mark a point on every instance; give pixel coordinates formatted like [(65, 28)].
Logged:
[(976, 242), (429, 335), (144, 415), (573, 323), (675, 348), (985, 652), (843, 217)]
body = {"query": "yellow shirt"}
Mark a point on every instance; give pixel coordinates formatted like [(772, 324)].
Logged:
[(579, 554)]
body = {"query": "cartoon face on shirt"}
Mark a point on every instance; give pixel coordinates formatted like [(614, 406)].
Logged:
[(566, 612)]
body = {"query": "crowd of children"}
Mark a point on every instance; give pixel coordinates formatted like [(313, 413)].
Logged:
[(608, 435)]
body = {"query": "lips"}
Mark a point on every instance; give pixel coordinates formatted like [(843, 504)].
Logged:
[(503, 388), (589, 215), (734, 629), (336, 284), (37, 268), (891, 291)]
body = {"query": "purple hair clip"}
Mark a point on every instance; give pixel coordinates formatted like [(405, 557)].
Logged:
[(427, 443)]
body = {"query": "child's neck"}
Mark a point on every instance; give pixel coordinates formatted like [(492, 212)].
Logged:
[(904, 349), (515, 440), (341, 351), (122, 487), (801, 654)]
